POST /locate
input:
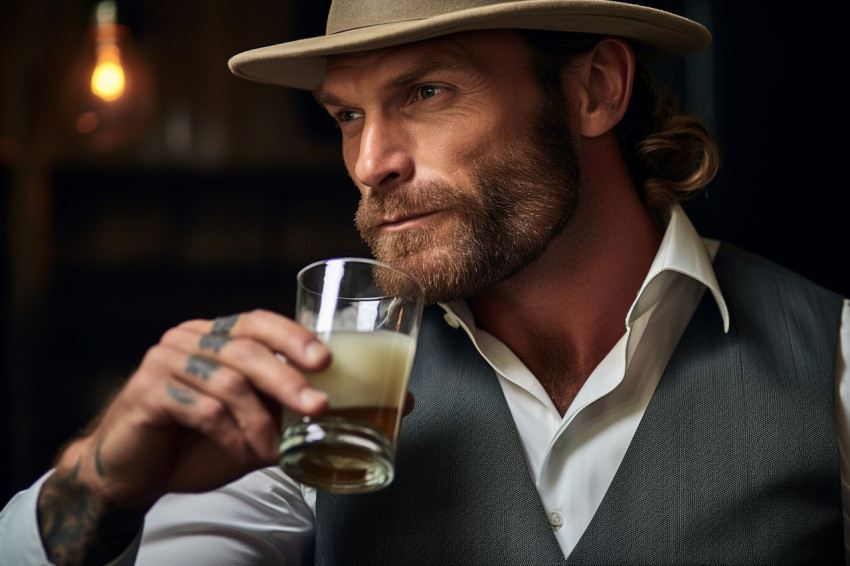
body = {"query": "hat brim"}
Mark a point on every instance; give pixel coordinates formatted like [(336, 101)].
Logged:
[(301, 64)]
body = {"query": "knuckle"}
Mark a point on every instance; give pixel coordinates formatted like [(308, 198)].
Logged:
[(177, 335), (155, 356), (255, 316), (189, 324), (146, 379), (170, 335)]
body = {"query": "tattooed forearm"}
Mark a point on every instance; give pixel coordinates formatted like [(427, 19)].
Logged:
[(76, 528), (200, 366)]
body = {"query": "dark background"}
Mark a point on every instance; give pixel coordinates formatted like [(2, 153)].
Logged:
[(229, 187)]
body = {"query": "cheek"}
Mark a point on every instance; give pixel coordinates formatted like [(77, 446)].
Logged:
[(350, 154), (452, 148)]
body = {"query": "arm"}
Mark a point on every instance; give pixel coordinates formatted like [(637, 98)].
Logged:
[(261, 518), (79, 528), (201, 411)]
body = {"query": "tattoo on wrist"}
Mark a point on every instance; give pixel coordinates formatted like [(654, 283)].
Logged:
[(200, 366), (77, 528), (214, 342)]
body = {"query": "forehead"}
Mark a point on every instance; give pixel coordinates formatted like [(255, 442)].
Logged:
[(482, 51)]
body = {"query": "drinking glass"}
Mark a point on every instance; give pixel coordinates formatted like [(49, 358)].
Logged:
[(368, 314)]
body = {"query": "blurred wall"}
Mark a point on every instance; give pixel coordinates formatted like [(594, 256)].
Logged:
[(231, 186)]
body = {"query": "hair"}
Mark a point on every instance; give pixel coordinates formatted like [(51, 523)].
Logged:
[(670, 155)]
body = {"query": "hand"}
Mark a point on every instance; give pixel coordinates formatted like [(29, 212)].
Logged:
[(203, 407), (201, 410)]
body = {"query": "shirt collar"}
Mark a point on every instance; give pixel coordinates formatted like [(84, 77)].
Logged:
[(682, 252)]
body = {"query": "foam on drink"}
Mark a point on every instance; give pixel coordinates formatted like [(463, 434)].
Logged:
[(368, 369)]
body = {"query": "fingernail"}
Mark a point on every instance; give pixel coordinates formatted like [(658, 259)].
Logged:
[(312, 398), (315, 352)]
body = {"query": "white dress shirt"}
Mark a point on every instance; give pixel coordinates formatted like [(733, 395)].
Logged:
[(573, 458), (266, 518)]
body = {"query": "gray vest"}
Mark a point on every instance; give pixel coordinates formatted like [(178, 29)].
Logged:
[(734, 462)]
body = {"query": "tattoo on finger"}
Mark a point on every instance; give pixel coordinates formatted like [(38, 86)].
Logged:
[(214, 342), (200, 366), (224, 324), (182, 395)]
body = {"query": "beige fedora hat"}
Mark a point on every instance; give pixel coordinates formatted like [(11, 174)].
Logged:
[(361, 25)]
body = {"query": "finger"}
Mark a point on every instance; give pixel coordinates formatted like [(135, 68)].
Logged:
[(280, 334), (200, 376), (250, 360), (207, 415), (250, 413), (152, 403)]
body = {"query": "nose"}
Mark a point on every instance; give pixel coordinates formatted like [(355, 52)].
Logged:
[(384, 157)]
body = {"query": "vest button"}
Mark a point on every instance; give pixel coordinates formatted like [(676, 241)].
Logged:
[(556, 520)]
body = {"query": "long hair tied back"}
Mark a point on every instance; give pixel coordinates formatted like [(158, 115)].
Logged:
[(671, 156)]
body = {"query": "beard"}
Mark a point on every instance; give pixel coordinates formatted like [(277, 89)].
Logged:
[(523, 199)]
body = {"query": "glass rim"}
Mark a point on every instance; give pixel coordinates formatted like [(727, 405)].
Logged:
[(359, 260)]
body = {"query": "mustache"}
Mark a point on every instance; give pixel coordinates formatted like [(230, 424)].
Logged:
[(408, 200)]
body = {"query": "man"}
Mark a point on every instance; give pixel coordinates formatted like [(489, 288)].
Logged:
[(530, 181)]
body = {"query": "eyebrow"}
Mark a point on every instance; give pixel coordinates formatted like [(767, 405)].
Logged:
[(420, 70)]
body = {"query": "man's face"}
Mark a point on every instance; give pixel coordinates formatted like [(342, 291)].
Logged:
[(466, 170)]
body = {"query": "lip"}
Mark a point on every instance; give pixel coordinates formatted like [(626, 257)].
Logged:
[(406, 221)]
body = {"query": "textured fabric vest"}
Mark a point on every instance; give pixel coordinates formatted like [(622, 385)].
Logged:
[(734, 462)]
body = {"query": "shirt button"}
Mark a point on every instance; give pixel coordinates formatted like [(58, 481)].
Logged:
[(556, 520), (451, 320)]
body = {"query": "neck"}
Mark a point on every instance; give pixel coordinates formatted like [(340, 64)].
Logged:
[(564, 312)]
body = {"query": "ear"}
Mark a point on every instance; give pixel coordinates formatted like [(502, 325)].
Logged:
[(605, 86)]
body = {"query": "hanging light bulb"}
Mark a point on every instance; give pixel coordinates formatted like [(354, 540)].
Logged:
[(107, 80), (109, 93)]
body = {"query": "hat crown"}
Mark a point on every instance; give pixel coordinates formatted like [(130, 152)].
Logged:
[(347, 15)]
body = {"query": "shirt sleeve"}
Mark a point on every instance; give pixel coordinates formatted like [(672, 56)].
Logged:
[(20, 542), (260, 519)]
